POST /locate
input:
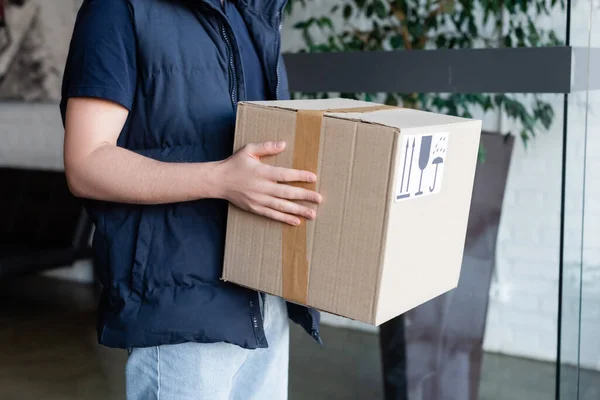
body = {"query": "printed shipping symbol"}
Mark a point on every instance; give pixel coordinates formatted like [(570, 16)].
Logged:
[(431, 151), (437, 161), (424, 159), (405, 195), (439, 149)]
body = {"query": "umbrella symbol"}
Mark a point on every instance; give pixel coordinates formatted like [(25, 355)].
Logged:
[(436, 161)]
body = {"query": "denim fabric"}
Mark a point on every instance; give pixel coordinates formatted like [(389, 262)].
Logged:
[(218, 371)]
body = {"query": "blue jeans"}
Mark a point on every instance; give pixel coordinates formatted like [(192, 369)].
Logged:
[(216, 371)]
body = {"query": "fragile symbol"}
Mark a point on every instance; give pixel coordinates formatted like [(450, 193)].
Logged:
[(423, 159), (429, 164)]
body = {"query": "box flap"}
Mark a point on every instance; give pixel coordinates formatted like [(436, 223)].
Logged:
[(401, 118), (318, 104)]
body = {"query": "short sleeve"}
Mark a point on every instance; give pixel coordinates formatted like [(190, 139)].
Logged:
[(102, 54)]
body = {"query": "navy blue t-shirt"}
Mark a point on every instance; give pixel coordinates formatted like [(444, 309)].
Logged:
[(102, 55)]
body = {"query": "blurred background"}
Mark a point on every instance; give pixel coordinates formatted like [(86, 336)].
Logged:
[(524, 322)]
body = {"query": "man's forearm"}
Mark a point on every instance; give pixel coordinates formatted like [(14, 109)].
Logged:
[(111, 173)]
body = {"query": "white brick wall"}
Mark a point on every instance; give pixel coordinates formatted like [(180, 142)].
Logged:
[(523, 307)]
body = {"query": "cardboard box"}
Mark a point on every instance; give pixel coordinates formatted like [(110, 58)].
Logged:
[(390, 232)]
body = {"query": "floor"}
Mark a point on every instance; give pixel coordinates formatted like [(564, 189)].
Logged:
[(49, 351)]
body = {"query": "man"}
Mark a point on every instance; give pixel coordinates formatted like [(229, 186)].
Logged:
[(149, 105)]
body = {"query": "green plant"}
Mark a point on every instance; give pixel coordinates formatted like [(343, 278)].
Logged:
[(369, 25)]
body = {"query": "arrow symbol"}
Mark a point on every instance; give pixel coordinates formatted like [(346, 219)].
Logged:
[(404, 167), (412, 156)]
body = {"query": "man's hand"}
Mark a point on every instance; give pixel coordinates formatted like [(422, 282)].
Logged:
[(261, 188)]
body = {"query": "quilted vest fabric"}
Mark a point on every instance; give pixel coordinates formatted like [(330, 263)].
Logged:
[(160, 265)]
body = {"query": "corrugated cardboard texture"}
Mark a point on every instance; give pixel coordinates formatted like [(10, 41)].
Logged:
[(304, 136), (307, 139), (253, 253), (370, 258), (353, 176), (425, 237), (401, 118)]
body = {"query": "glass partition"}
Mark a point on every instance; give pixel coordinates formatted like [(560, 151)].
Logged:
[(522, 321), (578, 369)]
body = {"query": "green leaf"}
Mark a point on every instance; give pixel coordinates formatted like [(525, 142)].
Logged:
[(300, 25), (487, 105), (380, 9), (473, 28), (347, 11), (481, 154), (397, 42), (534, 36), (499, 99), (391, 99), (441, 41), (308, 39), (325, 22), (525, 137), (353, 96), (449, 6), (520, 33), (510, 6), (360, 3)]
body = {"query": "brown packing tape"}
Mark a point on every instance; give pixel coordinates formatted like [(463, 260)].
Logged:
[(307, 139)]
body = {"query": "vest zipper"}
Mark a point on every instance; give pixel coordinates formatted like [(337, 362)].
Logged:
[(232, 72), (278, 76)]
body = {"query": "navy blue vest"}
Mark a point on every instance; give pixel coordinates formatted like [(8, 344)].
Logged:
[(161, 265)]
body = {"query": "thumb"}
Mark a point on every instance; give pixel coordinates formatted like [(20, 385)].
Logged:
[(265, 149)]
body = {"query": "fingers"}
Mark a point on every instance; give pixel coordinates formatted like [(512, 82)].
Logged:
[(282, 210), (280, 174), (277, 215), (264, 149), (295, 193), (289, 207)]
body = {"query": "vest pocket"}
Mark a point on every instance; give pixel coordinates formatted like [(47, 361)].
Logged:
[(178, 245), (115, 240), (144, 242)]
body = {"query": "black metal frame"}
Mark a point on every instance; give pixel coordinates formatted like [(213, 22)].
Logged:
[(514, 70)]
